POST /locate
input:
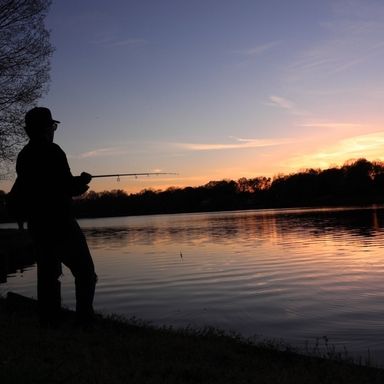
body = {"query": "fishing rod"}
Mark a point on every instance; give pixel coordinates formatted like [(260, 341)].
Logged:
[(118, 175)]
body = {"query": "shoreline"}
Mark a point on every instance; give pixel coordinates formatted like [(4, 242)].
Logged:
[(120, 350), (16, 252), (283, 208)]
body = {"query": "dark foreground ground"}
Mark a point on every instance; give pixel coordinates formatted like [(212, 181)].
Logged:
[(125, 351)]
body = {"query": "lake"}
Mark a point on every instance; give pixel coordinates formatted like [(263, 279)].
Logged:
[(292, 274)]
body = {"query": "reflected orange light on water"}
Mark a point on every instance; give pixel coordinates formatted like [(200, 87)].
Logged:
[(295, 274)]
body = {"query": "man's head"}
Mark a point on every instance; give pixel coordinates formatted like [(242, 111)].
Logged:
[(39, 124)]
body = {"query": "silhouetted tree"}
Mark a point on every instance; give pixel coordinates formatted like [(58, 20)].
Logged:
[(221, 194), (359, 177), (330, 182), (244, 185), (356, 182), (378, 177), (253, 185), (25, 50)]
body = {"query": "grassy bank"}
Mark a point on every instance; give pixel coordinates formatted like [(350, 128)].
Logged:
[(125, 351)]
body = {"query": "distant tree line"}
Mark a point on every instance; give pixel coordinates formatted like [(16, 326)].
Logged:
[(356, 182)]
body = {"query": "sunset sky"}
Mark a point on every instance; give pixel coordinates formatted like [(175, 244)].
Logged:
[(215, 89)]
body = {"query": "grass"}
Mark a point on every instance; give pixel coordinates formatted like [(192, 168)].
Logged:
[(118, 350)]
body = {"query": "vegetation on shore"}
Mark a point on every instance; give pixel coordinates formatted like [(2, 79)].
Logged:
[(358, 182), (125, 351)]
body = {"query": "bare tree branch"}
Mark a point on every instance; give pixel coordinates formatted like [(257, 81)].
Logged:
[(25, 52)]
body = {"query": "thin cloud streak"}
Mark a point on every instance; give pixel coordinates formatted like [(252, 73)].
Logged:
[(239, 144), (355, 36), (281, 102), (330, 125), (286, 104), (368, 146), (130, 42), (100, 152), (259, 49)]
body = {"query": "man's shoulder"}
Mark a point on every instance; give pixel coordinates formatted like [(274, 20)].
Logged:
[(25, 151), (38, 151), (56, 148)]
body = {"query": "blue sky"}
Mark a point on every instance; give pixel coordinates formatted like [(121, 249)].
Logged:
[(215, 89)]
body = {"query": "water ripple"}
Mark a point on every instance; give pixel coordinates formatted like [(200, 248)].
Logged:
[(293, 274)]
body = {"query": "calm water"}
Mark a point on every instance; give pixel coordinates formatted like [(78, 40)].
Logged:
[(291, 274)]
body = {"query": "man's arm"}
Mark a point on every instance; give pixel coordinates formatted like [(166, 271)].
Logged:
[(74, 185)]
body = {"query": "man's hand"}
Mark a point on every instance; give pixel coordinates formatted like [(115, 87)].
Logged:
[(86, 177)]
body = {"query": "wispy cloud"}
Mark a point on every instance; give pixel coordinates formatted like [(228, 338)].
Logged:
[(369, 146), (330, 58), (131, 43), (101, 152), (239, 143), (281, 102), (284, 103), (362, 145), (355, 34), (113, 41), (258, 49), (326, 125)]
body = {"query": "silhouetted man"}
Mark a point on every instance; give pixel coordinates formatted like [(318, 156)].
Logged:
[(45, 182)]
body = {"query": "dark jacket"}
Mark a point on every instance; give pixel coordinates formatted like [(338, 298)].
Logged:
[(45, 185)]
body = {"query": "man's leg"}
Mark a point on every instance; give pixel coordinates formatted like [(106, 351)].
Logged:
[(79, 260), (48, 286)]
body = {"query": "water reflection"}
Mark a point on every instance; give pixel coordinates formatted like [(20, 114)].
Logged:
[(261, 226), (295, 274), (16, 253)]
